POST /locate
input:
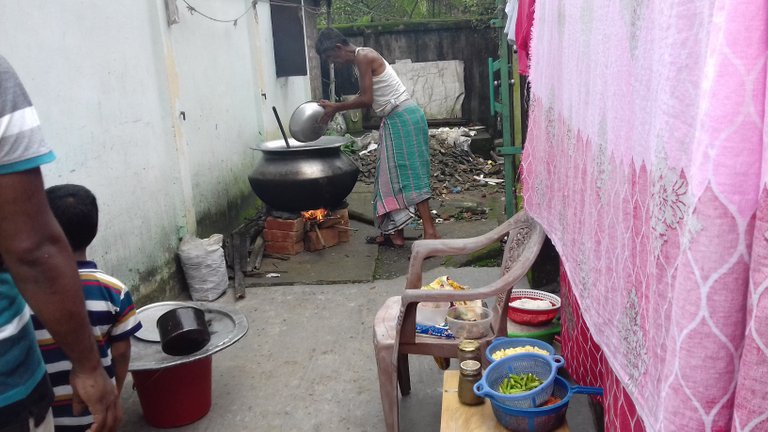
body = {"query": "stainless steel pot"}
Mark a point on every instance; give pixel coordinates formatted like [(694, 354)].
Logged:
[(306, 176)]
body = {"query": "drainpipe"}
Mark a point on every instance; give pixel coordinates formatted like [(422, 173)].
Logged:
[(182, 150)]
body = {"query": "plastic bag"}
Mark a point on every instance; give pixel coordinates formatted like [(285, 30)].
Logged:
[(337, 126), (433, 313), (204, 267)]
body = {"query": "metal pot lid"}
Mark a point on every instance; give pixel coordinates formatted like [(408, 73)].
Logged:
[(226, 324), (322, 142), (305, 123)]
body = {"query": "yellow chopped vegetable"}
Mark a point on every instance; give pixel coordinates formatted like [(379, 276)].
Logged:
[(509, 351)]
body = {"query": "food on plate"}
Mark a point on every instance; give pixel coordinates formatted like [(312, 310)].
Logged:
[(444, 283), (531, 304), (519, 383), (448, 284), (509, 351)]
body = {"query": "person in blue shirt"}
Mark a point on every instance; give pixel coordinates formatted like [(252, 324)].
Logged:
[(38, 268)]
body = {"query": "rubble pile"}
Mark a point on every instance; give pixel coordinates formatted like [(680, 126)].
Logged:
[(454, 167)]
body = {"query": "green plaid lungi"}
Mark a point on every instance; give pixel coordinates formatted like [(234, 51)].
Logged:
[(402, 170)]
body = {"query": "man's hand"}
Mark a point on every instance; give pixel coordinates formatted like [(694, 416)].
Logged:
[(95, 390), (330, 110)]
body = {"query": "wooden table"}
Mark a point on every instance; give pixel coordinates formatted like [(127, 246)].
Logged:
[(457, 417)]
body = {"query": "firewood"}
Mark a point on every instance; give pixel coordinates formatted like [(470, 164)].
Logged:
[(257, 254)]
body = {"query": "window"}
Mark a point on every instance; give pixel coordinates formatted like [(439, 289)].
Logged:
[(288, 39)]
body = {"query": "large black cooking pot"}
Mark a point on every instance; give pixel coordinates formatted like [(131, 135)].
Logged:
[(306, 176)]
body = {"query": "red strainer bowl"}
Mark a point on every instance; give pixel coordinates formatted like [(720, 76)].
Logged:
[(534, 317)]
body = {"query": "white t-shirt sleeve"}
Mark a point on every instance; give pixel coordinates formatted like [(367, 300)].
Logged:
[(22, 145)]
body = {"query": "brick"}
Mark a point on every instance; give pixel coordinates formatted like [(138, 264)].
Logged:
[(343, 214), (283, 236), (284, 248), (290, 225), (312, 242), (343, 235)]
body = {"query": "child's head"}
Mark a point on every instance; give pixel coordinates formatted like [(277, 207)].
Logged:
[(75, 208)]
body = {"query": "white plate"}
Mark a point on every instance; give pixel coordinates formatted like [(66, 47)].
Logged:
[(148, 316)]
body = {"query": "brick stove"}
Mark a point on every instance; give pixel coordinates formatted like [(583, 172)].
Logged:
[(292, 233)]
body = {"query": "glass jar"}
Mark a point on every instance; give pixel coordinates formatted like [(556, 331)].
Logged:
[(469, 374), (469, 350)]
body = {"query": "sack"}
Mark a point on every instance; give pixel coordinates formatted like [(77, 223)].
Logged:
[(204, 267)]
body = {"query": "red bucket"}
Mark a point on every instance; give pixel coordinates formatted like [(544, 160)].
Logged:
[(177, 395)]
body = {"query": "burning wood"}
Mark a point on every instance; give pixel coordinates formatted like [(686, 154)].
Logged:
[(329, 222), (315, 215), (311, 230)]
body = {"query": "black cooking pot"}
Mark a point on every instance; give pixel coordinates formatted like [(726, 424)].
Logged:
[(306, 176), (183, 331)]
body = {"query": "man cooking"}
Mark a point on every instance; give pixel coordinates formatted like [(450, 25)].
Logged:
[(402, 171)]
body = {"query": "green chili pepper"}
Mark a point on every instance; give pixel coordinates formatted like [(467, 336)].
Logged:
[(519, 383)]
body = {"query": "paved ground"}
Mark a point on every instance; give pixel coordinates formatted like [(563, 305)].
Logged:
[(307, 361), (307, 364), (356, 261)]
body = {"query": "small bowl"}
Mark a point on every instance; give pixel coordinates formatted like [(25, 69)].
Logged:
[(305, 125), (469, 322), (533, 317)]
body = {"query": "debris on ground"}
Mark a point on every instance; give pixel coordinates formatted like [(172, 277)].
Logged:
[(455, 168)]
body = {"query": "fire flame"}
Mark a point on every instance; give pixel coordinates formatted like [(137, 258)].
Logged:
[(315, 215)]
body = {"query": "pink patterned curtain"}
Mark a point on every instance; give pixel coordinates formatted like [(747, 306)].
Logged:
[(647, 164)]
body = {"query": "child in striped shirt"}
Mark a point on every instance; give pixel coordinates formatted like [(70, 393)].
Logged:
[(108, 303)]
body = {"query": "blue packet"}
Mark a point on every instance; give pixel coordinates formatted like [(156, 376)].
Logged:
[(435, 331)]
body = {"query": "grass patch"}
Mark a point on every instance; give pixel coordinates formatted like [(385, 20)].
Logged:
[(487, 257)]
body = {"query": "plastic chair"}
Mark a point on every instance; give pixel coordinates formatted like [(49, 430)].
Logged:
[(394, 329)]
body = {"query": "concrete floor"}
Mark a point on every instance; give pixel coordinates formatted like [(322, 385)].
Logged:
[(307, 364), (307, 361)]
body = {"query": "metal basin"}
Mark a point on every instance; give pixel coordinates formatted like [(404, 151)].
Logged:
[(226, 325), (305, 176)]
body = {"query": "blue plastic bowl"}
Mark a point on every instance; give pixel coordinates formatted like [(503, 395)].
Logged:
[(543, 367), (544, 419), (505, 343)]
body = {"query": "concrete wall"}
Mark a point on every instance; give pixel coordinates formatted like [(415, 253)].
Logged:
[(285, 93), (472, 42), (158, 121)]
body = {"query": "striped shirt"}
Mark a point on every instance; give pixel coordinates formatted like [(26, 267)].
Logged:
[(113, 318), (22, 147)]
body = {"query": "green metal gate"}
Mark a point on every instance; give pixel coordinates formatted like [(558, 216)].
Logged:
[(505, 108)]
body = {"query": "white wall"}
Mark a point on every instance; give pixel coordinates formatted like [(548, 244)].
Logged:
[(110, 79), (285, 93)]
